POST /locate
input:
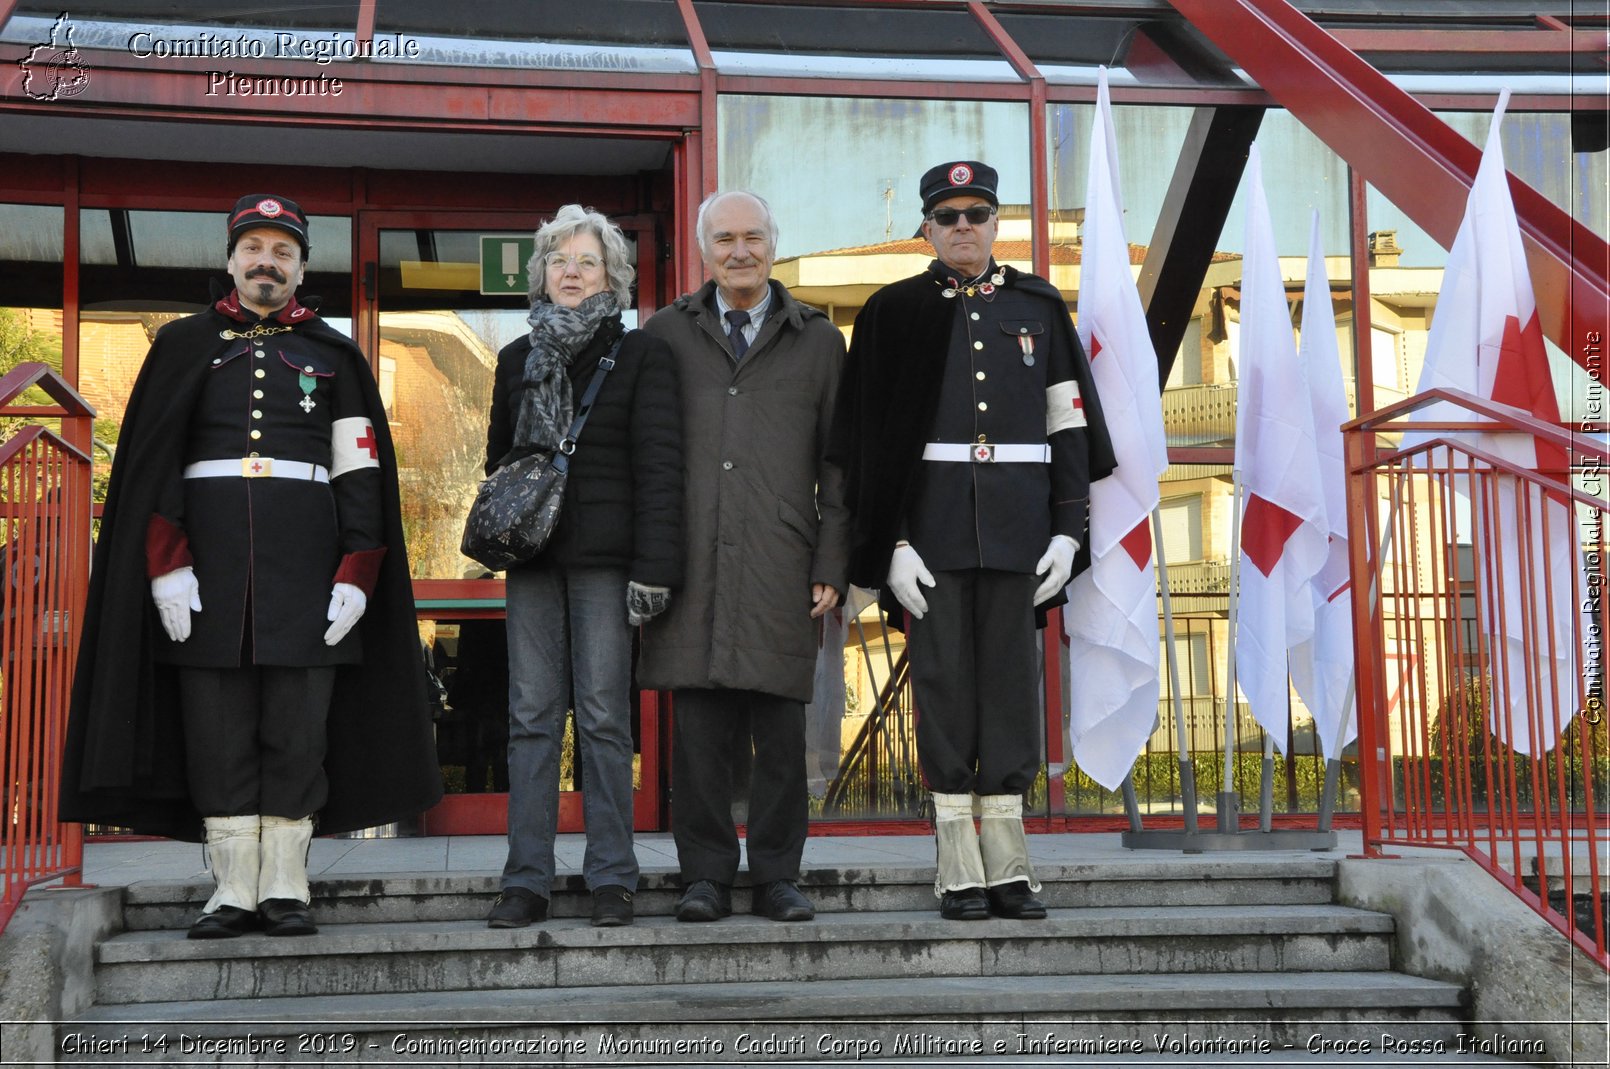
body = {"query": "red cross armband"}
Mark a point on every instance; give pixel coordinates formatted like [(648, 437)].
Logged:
[(1064, 408), (352, 446)]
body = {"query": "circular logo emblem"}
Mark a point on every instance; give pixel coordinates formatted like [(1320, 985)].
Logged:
[(961, 174), (269, 207)]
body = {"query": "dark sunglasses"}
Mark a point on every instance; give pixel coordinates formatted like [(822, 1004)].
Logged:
[(978, 215)]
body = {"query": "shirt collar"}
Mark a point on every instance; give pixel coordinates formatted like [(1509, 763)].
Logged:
[(757, 314)]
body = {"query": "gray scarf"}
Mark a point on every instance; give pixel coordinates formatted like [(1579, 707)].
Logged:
[(557, 335)]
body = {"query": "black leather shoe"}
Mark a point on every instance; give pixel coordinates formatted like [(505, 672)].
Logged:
[(1016, 902), (782, 900), (517, 907), (968, 904), (612, 906), (225, 922), (286, 916), (704, 900)]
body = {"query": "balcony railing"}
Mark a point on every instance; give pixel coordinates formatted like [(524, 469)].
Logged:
[(1203, 414)]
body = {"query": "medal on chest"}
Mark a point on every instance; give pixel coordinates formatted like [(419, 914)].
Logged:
[(307, 382)]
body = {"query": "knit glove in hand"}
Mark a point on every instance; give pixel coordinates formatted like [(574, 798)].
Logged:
[(644, 603)]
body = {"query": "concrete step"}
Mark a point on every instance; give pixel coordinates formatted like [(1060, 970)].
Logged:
[(394, 897), (1260, 1016), (442, 956)]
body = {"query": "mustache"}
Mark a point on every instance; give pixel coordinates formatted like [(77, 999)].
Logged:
[(266, 272)]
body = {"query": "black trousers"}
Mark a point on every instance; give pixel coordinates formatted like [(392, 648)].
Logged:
[(714, 730), (976, 676), (255, 740)]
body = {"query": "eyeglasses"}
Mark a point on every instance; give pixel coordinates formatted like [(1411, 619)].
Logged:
[(586, 263), (978, 215)]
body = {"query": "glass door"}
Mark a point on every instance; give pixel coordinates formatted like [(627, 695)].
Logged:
[(440, 292)]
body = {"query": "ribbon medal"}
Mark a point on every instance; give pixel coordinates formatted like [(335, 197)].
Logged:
[(307, 382)]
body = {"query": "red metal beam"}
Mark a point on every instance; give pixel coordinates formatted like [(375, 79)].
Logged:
[(705, 166), (1415, 159), (1475, 42)]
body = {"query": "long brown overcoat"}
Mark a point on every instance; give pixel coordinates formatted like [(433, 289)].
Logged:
[(764, 512)]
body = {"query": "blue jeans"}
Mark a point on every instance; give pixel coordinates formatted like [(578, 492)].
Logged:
[(568, 631)]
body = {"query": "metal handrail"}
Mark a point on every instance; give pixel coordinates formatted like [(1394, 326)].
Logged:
[(1481, 632), (44, 574)]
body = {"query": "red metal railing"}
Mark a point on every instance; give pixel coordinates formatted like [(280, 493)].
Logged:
[(1479, 625), (44, 572)]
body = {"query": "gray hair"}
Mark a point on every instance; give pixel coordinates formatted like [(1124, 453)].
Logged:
[(708, 202), (567, 222)]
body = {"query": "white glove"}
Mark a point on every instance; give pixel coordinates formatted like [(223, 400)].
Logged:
[(177, 595), (906, 570), (347, 603), (1056, 566), (644, 603)]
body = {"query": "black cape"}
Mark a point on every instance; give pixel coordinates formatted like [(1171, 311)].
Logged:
[(886, 406), (124, 762)]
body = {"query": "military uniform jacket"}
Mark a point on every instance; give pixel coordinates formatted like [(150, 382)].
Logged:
[(124, 760), (930, 363)]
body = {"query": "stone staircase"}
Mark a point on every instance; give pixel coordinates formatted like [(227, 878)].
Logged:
[(404, 972)]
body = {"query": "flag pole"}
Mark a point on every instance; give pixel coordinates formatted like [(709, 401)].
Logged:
[(1229, 816), (1266, 784), (1181, 734)]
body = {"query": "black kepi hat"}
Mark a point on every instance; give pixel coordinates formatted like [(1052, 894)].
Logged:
[(958, 178), (265, 209)]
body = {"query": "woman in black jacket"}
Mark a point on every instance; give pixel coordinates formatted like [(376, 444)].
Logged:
[(611, 564)]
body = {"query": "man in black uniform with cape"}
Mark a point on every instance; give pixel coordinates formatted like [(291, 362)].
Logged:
[(970, 432), (250, 659)]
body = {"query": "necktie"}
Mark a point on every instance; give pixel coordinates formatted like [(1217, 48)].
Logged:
[(737, 319)]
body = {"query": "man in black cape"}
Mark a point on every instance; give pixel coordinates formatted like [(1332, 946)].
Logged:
[(970, 431), (255, 476)]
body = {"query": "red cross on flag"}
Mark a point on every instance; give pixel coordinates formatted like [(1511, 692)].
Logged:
[(1111, 616), (352, 446), (1283, 526), (1485, 340)]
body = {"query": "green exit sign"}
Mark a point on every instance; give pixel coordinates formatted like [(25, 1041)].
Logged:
[(503, 260)]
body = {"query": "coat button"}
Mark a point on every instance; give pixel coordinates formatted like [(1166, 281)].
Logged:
[(257, 413), (978, 345), (257, 434), (979, 376), (308, 369), (1022, 330), (260, 354), (258, 394), (726, 465), (260, 373), (975, 315), (217, 360), (732, 391), (983, 406)]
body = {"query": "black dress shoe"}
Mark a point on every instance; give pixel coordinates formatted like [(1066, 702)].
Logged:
[(1016, 902), (286, 916), (225, 922), (612, 906), (968, 904), (782, 900), (704, 900), (517, 907)]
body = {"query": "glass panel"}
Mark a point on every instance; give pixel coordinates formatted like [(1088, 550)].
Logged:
[(30, 302), (439, 340), (863, 41), (332, 14)]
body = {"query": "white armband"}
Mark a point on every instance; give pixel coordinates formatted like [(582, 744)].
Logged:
[(352, 446), (1064, 408)]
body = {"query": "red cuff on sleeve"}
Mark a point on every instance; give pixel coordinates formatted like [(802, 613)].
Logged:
[(167, 547), (361, 569)]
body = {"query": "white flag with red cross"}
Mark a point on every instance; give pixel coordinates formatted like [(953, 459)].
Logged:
[(1322, 666), (1111, 615), (1283, 527), (1486, 340)]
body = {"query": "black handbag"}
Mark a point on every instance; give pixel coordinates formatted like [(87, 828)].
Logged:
[(517, 506)]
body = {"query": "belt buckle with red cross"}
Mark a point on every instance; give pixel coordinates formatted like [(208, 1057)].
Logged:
[(256, 467)]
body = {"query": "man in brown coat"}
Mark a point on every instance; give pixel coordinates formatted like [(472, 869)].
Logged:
[(766, 537)]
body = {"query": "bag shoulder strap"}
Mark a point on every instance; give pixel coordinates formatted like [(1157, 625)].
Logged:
[(605, 364)]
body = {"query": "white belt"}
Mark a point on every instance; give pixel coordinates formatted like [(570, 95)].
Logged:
[(986, 453), (257, 468)]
